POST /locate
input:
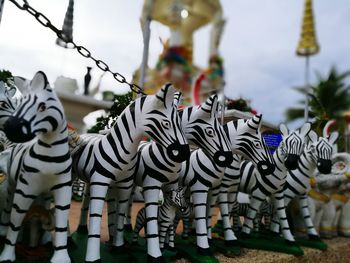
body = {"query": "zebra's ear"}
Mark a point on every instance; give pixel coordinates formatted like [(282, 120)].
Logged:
[(255, 122), (177, 98), (333, 137), (22, 84), (165, 96), (305, 129), (313, 136), (39, 81), (284, 130), (210, 106), (11, 92)]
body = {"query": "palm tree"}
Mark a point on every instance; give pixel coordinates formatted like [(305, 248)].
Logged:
[(329, 99)]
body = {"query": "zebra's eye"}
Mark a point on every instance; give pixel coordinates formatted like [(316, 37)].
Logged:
[(3, 105), (210, 132), (257, 144), (41, 107), (166, 124)]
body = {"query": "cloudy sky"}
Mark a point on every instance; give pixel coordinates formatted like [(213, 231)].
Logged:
[(258, 45)]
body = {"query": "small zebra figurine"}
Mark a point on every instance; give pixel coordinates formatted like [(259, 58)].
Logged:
[(203, 175), (155, 170), (173, 201), (40, 166), (317, 154), (111, 158), (259, 187)]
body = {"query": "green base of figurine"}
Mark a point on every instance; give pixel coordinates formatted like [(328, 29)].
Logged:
[(317, 244), (228, 250)]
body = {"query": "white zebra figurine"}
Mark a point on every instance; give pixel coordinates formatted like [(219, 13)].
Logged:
[(203, 175), (260, 187), (317, 154), (173, 200), (110, 158), (155, 170), (41, 165)]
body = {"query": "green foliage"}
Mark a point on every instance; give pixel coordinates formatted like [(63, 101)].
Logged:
[(120, 103), (6, 76), (238, 104), (329, 98)]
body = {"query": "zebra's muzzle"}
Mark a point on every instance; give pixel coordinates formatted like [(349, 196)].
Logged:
[(223, 159), (324, 166), (291, 162), (265, 168), (178, 152), (18, 130)]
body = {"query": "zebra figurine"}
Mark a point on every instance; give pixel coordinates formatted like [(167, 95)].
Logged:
[(203, 175), (173, 200), (259, 187), (155, 169), (113, 157), (41, 165), (316, 154)]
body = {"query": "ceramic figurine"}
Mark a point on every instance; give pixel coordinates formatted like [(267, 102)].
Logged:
[(317, 154), (108, 158), (44, 163), (259, 187)]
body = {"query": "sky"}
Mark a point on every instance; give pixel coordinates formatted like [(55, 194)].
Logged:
[(258, 45)]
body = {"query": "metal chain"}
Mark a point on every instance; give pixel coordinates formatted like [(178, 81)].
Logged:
[(43, 20)]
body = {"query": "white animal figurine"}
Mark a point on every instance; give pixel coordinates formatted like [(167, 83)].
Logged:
[(40, 166)]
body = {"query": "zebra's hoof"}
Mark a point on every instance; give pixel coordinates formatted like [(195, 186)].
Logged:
[(290, 243), (7, 261), (82, 229), (128, 227), (117, 250), (204, 251), (274, 234), (231, 243), (151, 259), (210, 241), (95, 261), (314, 237), (167, 247)]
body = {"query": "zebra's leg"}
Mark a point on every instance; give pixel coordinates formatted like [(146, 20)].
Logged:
[(312, 233), (255, 202), (275, 223), (140, 223), (22, 200), (127, 221), (151, 196), (282, 216), (163, 232), (236, 220), (62, 194), (171, 235), (225, 217), (5, 214), (98, 189), (111, 200), (123, 195), (326, 229), (82, 228), (199, 194)]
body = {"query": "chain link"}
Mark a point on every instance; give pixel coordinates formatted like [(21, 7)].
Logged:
[(43, 20)]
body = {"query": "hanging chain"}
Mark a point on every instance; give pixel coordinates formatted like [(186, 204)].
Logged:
[(43, 20)]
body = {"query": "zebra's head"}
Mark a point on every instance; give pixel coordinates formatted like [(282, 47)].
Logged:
[(178, 199), (246, 140), (162, 123), (202, 128), (38, 112), (7, 102), (321, 151), (293, 144)]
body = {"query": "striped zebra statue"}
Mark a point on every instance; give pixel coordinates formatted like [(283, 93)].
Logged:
[(40, 166), (173, 201), (156, 171), (203, 175), (112, 158), (317, 154), (259, 187)]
